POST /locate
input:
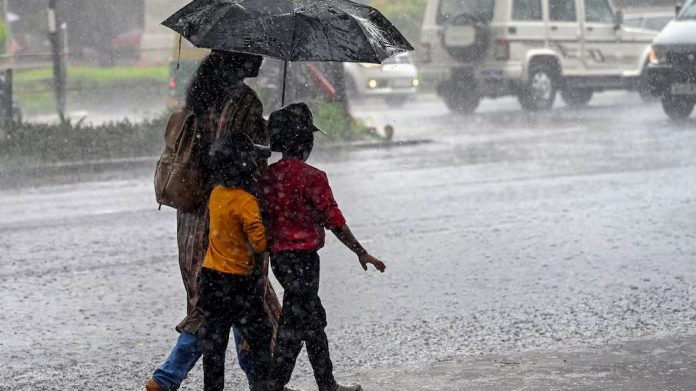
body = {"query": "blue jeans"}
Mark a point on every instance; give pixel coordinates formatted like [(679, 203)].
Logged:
[(184, 356)]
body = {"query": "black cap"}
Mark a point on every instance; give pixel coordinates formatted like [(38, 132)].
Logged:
[(292, 122)]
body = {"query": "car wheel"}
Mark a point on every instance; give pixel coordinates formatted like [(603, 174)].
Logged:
[(577, 96), (460, 94), (646, 94), (678, 108), (461, 102), (395, 101), (540, 92)]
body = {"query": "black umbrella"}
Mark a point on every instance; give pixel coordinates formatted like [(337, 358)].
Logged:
[(291, 30)]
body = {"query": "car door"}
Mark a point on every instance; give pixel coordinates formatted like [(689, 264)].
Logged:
[(526, 29), (602, 40), (565, 35)]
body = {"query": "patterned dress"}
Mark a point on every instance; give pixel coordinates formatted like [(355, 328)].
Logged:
[(241, 111)]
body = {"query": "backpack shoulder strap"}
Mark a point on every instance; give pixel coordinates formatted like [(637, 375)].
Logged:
[(178, 122)]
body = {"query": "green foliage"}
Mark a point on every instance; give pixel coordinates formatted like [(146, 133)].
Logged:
[(332, 118), (3, 36), (31, 102), (407, 15), (34, 88), (72, 140), (103, 76)]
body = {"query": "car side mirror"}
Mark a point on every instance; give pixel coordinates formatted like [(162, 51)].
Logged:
[(618, 19), (678, 8)]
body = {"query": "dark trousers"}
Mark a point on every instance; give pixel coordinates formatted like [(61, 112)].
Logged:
[(302, 319), (226, 300)]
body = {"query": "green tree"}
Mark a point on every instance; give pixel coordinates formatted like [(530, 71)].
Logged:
[(407, 15), (3, 36), (4, 32)]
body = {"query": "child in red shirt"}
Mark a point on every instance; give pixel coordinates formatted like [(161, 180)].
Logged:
[(299, 206)]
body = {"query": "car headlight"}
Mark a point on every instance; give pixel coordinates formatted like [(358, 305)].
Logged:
[(656, 56), (416, 82), (372, 83)]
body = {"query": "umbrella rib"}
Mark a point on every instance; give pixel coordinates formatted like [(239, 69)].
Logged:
[(328, 40), (293, 45), (220, 16), (296, 42), (374, 51)]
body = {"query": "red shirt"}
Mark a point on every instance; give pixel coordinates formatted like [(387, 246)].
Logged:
[(299, 205)]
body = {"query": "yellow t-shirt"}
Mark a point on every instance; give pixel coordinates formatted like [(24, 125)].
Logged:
[(236, 231)]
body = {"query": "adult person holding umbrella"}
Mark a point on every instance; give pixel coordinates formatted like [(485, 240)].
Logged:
[(223, 104)]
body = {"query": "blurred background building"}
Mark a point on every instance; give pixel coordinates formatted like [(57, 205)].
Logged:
[(97, 31), (103, 32)]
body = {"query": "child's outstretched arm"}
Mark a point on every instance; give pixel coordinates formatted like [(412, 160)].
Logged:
[(322, 200), (344, 234)]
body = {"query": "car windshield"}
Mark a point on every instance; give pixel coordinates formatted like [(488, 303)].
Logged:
[(401, 59), (450, 9), (689, 11), (657, 23), (632, 22)]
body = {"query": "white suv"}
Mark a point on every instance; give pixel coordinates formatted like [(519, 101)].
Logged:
[(529, 48)]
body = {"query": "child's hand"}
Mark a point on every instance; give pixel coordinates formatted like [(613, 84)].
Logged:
[(367, 258)]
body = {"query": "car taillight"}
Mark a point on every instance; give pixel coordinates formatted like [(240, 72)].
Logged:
[(502, 49), (426, 52), (172, 84)]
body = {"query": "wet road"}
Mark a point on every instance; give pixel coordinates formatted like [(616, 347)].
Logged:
[(510, 232)]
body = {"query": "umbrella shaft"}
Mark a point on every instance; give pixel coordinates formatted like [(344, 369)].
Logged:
[(285, 75)]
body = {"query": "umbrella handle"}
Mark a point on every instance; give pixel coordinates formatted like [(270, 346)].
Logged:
[(178, 58), (285, 75)]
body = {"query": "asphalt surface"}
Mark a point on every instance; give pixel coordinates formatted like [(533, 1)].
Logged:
[(524, 251)]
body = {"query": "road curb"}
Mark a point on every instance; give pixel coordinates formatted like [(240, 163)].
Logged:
[(90, 165), (49, 169)]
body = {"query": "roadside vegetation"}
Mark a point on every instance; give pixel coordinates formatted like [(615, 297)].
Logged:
[(73, 141), (330, 117), (96, 75), (33, 89)]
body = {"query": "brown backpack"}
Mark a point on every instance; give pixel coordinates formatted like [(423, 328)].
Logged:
[(179, 178)]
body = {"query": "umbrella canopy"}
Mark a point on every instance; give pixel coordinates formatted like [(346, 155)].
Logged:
[(291, 30)]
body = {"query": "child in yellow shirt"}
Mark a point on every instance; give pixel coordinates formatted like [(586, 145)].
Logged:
[(229, 294)]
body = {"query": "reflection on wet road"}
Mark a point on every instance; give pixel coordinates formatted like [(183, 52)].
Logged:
[(509, 232)]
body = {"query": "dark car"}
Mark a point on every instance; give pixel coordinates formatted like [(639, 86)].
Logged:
[(672, 69)]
